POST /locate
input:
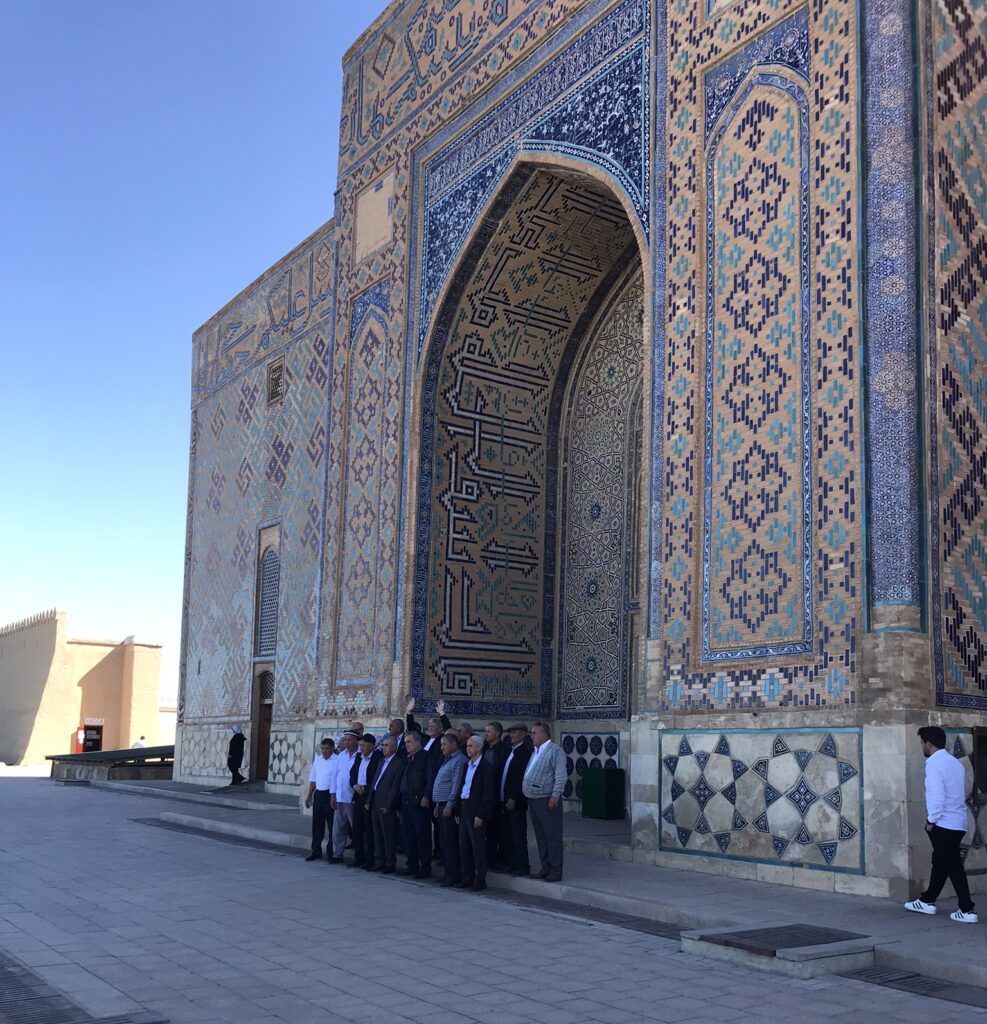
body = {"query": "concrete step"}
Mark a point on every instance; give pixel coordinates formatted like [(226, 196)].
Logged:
[(206, 798)]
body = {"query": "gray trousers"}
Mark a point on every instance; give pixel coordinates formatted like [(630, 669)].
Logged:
[(342, 822), (548, 832)]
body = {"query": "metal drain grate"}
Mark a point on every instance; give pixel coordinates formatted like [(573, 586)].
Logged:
[(27, 999), (767, 941), (920, 985)]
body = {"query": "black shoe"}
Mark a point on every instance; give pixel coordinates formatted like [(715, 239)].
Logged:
[(539, 874), (334, 860), (314, 856), (554, 876), (521, 872), (423, 873), (448, 883), (468, 884), (386, 871), (373, 867), (355, 864), (478, 886), (405, 872)]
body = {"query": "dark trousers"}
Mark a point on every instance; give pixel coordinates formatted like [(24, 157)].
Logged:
[(416, 829), (515, 825), (449, 844), (321, 819), (233, 763), (473, 850), (363, 833), (947, 862), (496, 853), (385, 838), (547, 824)]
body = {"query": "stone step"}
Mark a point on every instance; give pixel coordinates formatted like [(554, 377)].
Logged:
[(204, 797)]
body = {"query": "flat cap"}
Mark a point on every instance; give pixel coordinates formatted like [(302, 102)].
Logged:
[(518, 727)]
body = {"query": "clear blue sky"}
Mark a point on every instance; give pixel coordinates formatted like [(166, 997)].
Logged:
[(155, 157)]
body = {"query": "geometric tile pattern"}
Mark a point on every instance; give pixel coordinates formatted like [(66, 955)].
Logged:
[(757, 561), (792, 796), (254, 464), (485, 564), (735, 50), (288, 759), (959, 743), (587, 750), (891, 323), (201, 750), (601, 461), (958, 349)]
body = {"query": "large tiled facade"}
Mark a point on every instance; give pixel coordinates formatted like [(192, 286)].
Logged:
[(637, 384)]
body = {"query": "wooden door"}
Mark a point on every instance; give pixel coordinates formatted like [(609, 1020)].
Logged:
[(262, 749)]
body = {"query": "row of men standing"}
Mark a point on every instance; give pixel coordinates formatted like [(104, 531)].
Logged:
[(466, 795)]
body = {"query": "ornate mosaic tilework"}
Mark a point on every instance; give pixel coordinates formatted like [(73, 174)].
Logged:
[(792, 796), (370, 502), (483, 595), (828, 674), (253, 463), (587, 750), (288, 759), (958, 349), (959, 742), (602, 458), (894, 519), (757, 556)]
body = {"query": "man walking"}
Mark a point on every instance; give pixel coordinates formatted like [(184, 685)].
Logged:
[(385, 799), (235, 756), (342, 797), (946, 824), (544, 780), (320, 798)]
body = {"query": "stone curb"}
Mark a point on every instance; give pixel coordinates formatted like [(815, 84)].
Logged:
[(206, 799)]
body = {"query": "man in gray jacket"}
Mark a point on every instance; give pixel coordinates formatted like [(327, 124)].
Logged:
[(544, 780)]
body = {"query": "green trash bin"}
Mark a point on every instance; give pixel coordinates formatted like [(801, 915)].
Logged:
[(603, 793)]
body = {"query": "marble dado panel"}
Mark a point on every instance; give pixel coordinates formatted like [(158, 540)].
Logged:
[(288, 763), (960, 744), (202, 751), (788, 796), (587, 750)]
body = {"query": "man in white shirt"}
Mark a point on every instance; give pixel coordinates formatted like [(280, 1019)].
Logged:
[(319, 798), (342, 797), (946, 824)]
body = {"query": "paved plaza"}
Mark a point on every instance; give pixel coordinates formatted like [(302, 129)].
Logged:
[(122, 916)]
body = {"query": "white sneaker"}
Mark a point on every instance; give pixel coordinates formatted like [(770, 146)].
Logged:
[(963, 918), (921, 908)]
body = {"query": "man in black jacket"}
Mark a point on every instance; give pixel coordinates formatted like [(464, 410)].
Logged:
[(495, 751), (416, 807), (515, 807), (385, 801), (235, 756), (362, 776), (473, 810), (438, 725)]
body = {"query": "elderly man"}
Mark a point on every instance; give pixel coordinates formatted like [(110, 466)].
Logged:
[(357, 727), (463, 732), (342, 797), (515, 807), (320, 797), (416, 804), (445, 793), (542, 785), (473, 810), (362, 776), (495, 754), (385, 800)]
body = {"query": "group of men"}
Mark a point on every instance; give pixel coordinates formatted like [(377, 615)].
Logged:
[(448, 795)]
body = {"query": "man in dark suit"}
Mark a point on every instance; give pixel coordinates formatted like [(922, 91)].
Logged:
[(495, 752), (362, 776), (385, 801), (438, 725), (515, 807), (416, 807), (473, 810)]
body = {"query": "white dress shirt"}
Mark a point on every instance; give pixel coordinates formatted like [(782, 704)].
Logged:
[(323, 770), (468, 780), (361, 772), (945, 783), (341, 787), (383, 768)]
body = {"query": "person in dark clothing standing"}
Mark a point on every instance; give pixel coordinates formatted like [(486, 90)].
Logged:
[(473, 809), (445, 793), (385, 801), (515, 807), (416, 804), (495, 753), (362, 776), (235, 756), (437, 726)]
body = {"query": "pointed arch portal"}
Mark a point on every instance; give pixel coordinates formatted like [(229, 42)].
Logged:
[(525, 561)]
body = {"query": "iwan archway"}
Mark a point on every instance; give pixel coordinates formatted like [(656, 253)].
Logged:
[(528, 559)]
